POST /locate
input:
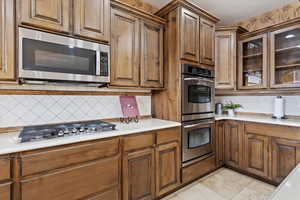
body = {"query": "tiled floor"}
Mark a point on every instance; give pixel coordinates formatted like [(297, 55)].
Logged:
[(224, 184)]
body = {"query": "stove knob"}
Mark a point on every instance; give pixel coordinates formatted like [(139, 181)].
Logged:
[(66, 131), (74, 130), (61, 133), (82, 129)]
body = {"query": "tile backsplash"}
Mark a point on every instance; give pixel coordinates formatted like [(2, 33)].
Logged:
[(263, 104), (24, 110)]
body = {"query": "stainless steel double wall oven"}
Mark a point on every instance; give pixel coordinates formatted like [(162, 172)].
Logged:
[(198, 94)]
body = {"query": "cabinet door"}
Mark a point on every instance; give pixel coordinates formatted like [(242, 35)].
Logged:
[(5, 190), (138, 175), (220, 136), (125, 44), (233, 143), (225, 60), (53, 15), (253, 60), (190, 23), (92, 19), (285, 156), (285, 57), (257, 154), (207, 42), (151, 55), (7, 40), (167, 168)]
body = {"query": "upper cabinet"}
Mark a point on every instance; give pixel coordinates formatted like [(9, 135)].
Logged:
[(137, 48), (207, 42), (92, 19), (226, 56), (253, 60), (7, 40), (285, 57), (125, 49), (54, 15), (151, 54), (190, 46), (89, 19), (197, 38)]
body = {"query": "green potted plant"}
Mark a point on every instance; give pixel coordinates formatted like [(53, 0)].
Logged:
[(231, 108)]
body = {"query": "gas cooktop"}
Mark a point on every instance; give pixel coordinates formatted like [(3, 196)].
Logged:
[(38, 133)]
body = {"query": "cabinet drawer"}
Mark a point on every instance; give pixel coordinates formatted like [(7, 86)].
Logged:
[(292, 133), (73, 183), (5, 169), (5, 191), (112, 194), (139, 141), (196, 170), (54, 158), (169, 135)]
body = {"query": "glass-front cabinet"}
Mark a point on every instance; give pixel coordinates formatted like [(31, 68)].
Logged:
[(253, 57), (285, 57)]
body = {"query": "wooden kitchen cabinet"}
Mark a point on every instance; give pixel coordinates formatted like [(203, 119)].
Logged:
[(285, 156), (220, 143), (52, 15), (7, 40), (92, 19), (226, 56), (5, 191), (256, 154), (137, 48), (139, 175), (207, 42), (167, 167), (190, 25), (77, 182), (151, 54), (124, 49), (234, 143), (253, 61)]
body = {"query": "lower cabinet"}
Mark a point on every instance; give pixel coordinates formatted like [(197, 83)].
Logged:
[(78, 182), (233, 144), (167, 167), (220, 136), (139, 175), (256, 158), (285, 156), (5, 191)]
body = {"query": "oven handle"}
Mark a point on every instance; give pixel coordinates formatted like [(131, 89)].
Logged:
[(195, 125), (198, 79)]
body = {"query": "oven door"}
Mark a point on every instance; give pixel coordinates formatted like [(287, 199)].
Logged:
[(198, 140), (198, 95), (46, 56)]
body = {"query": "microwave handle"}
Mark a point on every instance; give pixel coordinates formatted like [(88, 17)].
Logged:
[(98, 63)]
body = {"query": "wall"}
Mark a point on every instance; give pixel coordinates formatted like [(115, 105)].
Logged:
[(24, 110), (140, 4), (262, 104), (275, 16)]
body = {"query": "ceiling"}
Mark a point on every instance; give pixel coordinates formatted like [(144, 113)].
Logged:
[(232, 11)]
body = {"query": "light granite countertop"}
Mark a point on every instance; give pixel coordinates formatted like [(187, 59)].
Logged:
[(9, 141), (261, 119), (289, 189)]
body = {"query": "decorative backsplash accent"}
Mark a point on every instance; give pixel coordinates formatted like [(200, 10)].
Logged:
[(263, 104), (24, 110), (275, 16)]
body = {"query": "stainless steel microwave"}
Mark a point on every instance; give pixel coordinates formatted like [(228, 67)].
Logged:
[(50, 57)]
